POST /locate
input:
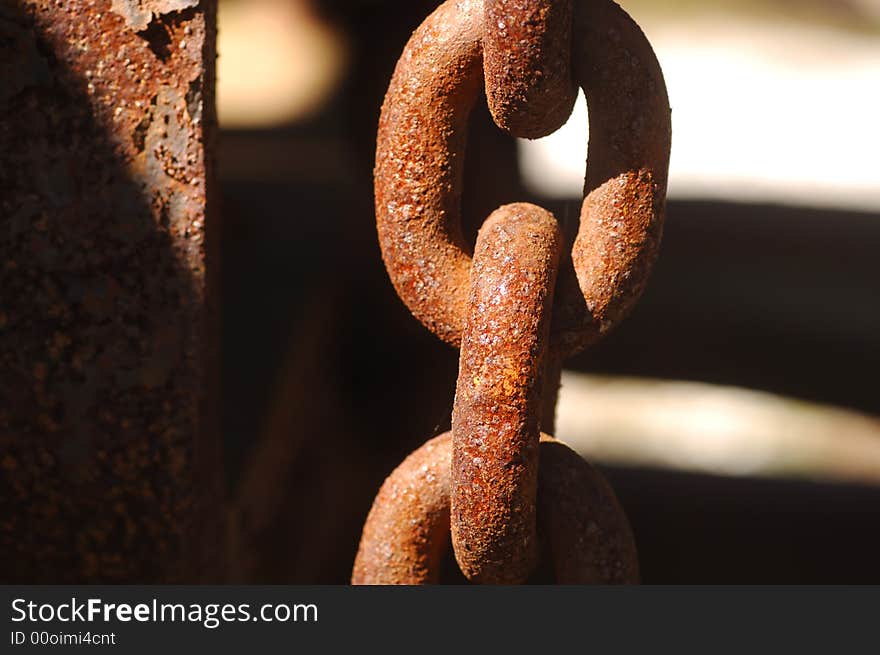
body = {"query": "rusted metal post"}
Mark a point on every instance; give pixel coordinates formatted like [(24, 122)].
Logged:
[(109, 454)]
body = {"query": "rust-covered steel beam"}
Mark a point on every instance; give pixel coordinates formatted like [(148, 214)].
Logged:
[(109, 454)]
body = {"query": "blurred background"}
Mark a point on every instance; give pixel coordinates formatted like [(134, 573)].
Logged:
[(734, 411)]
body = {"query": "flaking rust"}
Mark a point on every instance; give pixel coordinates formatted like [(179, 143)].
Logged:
[(139, 13), (109, 459)]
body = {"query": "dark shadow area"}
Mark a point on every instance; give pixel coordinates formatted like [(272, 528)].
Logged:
[(697, 529)]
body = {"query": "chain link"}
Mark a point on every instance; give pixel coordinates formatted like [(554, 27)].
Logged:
[(420, 155), (508, 495), (527, 65), (583, 532), (496, 416)]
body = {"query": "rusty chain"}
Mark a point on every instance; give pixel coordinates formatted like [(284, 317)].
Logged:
[(495, 419), (527, 65), (508, 495)]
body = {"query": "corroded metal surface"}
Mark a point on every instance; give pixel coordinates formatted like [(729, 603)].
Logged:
[(513, 320), (586, 538), (585, 535), (419, 163), (139, 13), (621, 221), (496, 418), (407, 531), (527, 65), (420, 153), (106, 473)]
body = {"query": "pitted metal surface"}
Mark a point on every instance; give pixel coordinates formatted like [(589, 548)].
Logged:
[(420, 153), (496, 417), (527, 65), (519, 304), (585, 536), (107, 465)]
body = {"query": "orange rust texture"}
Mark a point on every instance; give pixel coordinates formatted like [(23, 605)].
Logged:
[(419, 159), (527, 65), (407, 530), (419, 166), (585, 536), (630, 135), (496, 418), (103, 185)]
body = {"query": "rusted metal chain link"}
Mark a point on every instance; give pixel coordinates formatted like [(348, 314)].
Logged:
[(420, 154), (496, 417), (527, 65), (506, 501), (584, 532)]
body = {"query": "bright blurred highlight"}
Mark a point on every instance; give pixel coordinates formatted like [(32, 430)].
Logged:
[(714, 429), (277, 62)]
